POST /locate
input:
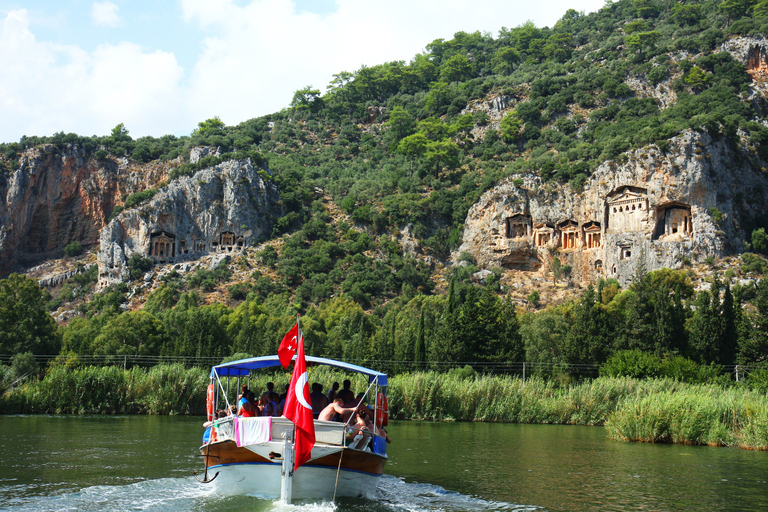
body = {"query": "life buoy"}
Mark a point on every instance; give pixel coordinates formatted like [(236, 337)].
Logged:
[(209, 402), (382, 410)]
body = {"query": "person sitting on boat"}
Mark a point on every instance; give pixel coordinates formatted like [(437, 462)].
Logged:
[(332, 392), (334, 411), (249, 409), (346, 394), (268, 405), (359, 434), (242, 398), (318, 399)]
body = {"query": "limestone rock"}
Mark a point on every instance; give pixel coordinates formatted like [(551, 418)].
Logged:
[(648, 210), (57, 196), (218, 211)]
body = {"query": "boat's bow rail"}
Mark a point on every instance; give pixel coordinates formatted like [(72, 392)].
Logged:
[(249, 431)]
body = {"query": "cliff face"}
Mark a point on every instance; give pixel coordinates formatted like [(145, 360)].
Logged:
[(58, 196), (220, 209), (646, 210)]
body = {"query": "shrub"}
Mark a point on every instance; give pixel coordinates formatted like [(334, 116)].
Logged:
[(73, 249), (138, 265)]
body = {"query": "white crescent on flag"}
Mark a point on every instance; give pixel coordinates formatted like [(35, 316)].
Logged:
[(299, 390)]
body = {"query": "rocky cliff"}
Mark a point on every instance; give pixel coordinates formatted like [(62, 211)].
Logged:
[(219, 210), (647, 209), (56, 196)]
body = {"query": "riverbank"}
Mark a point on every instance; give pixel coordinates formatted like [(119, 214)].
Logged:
[(654, 410)]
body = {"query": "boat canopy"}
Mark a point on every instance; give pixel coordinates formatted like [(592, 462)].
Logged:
[(246, 366)]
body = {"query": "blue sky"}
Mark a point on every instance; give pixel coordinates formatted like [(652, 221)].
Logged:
[(160, 67)]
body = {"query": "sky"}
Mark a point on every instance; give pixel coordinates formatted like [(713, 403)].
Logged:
[(161, 67)]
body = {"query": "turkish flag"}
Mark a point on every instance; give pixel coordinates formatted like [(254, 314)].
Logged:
[(298, 409), (288, 346)]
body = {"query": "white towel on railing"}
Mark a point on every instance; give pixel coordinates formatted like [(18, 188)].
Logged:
[(253, 430)]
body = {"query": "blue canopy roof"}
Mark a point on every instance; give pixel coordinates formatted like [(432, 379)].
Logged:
[(246, 366)]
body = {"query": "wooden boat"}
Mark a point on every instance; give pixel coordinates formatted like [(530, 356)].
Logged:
[(254, 456)]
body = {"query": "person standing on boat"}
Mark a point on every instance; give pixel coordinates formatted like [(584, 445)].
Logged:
[(332, 392), (318, 399), (346, 394)]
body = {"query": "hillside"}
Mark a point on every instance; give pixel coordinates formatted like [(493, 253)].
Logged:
[(361, 206)]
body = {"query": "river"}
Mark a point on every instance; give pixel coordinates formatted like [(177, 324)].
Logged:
[(119, 463)]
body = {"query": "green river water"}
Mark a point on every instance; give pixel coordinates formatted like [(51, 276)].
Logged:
[(121, 463)]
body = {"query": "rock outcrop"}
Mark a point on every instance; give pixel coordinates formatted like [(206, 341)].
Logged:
[(57, 196), (220, 209), (647, 210)]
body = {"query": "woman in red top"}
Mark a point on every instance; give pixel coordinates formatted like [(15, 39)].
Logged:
[(249, 408)]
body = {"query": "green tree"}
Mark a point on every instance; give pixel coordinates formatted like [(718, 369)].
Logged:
[(413, 146), (25, 325), (511, 128), (592, 332), (209, 125), (307, 99), (456, 68), (120, 134), (760, 241), (505, 59), (131, 333), (697, 78), (442, 153), (420, 349), (400, 125)]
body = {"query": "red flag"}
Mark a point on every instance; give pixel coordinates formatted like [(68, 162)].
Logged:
[(298, 409), (288, 346)]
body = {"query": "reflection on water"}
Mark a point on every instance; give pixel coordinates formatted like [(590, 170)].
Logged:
[(108, 463)]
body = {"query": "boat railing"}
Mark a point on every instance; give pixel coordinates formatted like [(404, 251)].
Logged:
[(326, 432)]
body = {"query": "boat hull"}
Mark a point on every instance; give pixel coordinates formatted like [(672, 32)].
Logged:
[(250, 470)]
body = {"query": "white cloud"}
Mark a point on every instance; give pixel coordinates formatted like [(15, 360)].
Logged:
[(46, 88), (105, 13)]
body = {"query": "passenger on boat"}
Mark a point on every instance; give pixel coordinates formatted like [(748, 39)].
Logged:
[(359, 434), (346, 394), (241, 398), (249, 409), (334, 411), (332, 392), (318, 399), (268, 405), (281, 400)]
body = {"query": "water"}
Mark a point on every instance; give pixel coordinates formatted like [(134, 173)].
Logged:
[(120, 463)]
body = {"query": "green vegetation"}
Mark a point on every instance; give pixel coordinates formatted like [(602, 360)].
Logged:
[(68, 389), (73, 249)]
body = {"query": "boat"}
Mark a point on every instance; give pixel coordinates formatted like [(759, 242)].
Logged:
[(255, 456)]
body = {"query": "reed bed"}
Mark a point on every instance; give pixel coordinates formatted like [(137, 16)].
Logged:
[(695, 415), (656, 410), (163, 389)]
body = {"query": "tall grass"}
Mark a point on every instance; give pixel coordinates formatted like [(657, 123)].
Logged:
[(163, 389), (656, 410), (695, 415)]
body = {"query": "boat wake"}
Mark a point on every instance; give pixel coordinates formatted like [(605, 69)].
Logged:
[(166, 494), (395, 494), (184, 494)]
